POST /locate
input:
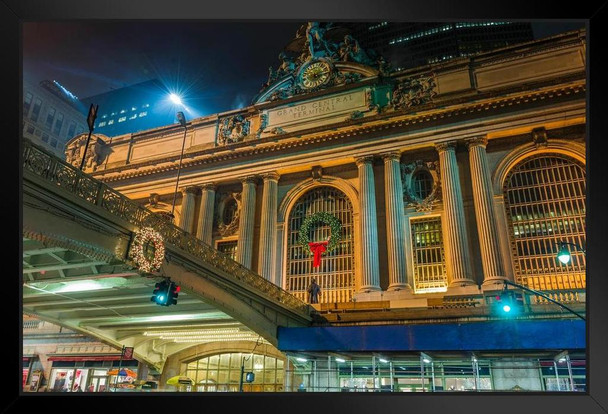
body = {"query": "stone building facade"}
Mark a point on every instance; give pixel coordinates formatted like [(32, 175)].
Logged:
[(430, 185)]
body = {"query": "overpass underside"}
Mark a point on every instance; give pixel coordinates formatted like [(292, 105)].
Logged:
[(78, 271)]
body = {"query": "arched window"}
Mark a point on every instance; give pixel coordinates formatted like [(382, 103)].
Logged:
[(221, 373), (545, 205), (336, 275)]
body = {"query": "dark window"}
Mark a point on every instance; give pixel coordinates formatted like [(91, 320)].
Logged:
[(27, 102), (64, 364), (36, 109), (50, 117), (58, 124), (422, 184), (45, 137), (71, 130), (230, 209)]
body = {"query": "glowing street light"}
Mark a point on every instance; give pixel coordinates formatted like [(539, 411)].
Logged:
[(563, 255), (175, 99)]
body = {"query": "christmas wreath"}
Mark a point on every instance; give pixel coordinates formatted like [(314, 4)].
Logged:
[(142, 239), (321, 217)]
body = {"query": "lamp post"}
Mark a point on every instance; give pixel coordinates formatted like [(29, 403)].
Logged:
[(507, 282), (182, 120), (91, 123), (563, 255), (250, 375)]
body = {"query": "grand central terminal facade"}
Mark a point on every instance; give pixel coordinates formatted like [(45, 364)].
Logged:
[(423, 191)]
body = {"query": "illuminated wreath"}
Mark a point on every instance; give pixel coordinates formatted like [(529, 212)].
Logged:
[(142, 238), (321, 217)]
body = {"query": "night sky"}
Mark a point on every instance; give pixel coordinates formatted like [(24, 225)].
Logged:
[(217, 66)]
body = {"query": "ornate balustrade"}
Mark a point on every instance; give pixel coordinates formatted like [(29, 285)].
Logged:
[(71, 179)]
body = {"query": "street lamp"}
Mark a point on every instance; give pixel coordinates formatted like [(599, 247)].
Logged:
[(563, 255), (175, 99), (182, 120)]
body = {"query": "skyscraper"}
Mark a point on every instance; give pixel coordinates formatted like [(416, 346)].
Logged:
[(408, 45)]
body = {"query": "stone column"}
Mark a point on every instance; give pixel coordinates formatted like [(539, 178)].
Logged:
[(268, 230), (395, 222), (456, 240), (484, 211), (370, 267), (206, 213), (186, 221), (244, 247)]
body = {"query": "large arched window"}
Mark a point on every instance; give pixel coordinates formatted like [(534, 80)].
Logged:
[(222, 372), (336, 275), (545, 205)]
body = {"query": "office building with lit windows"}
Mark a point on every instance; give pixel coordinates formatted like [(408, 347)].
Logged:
[(52, 115), (429, 206), (132, 108), (407, 45)]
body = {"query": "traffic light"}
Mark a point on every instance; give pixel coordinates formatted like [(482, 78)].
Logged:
[(173, 293), (160, 296), (508, 303)]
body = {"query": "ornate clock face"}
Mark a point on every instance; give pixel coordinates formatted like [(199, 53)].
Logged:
[(315, 74)]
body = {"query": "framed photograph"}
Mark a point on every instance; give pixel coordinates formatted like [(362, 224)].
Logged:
[(324, 206)]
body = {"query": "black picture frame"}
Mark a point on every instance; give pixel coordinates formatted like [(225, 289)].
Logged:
[(14, 12)]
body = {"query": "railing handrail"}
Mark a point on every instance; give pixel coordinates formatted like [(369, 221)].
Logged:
[(47, 166)]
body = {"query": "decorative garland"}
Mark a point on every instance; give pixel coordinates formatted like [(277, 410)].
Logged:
[(326, 218), (142, 237)]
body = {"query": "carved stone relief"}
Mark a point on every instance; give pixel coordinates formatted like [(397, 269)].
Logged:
[(233, 129), (228, 211), (96, 152), (413, 92), (410, 172)]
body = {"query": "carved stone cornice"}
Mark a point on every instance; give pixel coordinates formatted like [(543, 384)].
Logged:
[(366, 159), (271, 176), (481, 140), (445, 146), (328, 133)]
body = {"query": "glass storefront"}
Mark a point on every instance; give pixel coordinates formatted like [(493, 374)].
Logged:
[(222, 373), (426, 374), (88, 376)]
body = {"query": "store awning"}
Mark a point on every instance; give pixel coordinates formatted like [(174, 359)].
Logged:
[(506, 335), (80, 358)]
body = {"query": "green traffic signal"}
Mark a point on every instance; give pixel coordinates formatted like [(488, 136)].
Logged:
[(508, 303), (165, 293)]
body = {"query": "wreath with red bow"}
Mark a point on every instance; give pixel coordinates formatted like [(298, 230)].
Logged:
[(325, 218)]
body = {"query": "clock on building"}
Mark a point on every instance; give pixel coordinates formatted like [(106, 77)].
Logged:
[(315, 74)]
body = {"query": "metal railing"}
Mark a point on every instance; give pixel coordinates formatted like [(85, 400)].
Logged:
[(71, 179)]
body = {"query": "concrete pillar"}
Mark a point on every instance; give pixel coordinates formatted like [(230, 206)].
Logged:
[(456, 240), (395, 222), (370, 267), (484, 211), (186, 221), (244, 247), (206, 213), (268, 230)]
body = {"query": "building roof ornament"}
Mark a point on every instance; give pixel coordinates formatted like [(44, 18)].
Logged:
[(320, 56)]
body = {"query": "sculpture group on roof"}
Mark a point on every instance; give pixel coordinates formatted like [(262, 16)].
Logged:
[(323, 41)]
